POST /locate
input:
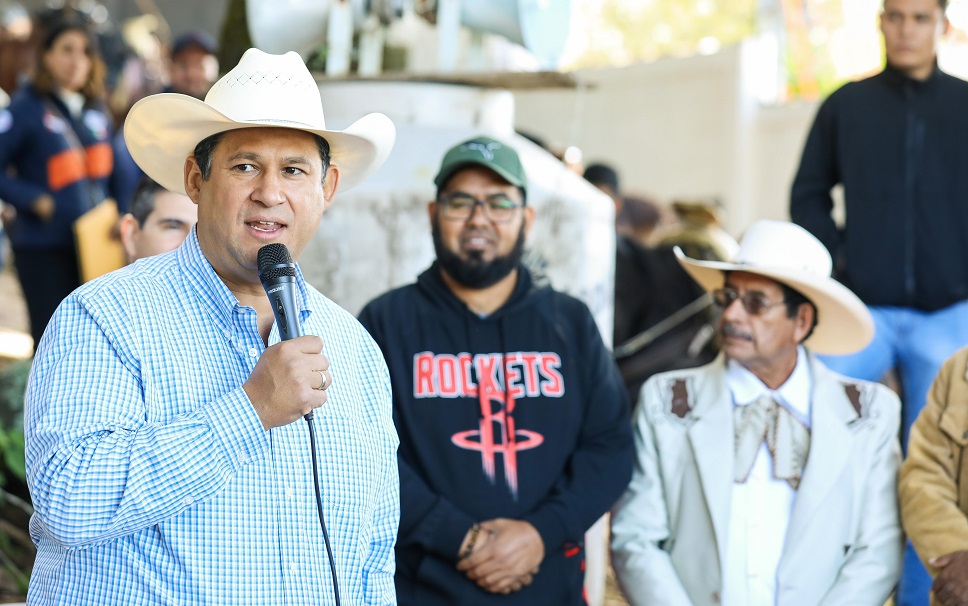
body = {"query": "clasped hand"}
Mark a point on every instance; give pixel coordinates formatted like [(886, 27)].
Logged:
[(506, 556)]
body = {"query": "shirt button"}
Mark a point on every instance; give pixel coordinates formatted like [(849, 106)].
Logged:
[(290, 493), (188, 500), (292, 567), (243, 458), (252, 352)]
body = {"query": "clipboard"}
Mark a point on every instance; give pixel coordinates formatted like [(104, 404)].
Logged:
[(99, 249)]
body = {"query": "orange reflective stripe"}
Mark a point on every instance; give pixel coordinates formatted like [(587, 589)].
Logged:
[(65, 168), (100, 160)]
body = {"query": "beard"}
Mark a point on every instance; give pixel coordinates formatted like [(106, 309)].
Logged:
[(474, 272)]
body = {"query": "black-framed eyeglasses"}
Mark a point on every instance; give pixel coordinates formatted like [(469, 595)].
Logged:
[(754, 301), (460, 207)]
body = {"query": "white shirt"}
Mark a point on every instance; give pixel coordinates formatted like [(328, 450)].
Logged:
[(761, 507), (74, 101)]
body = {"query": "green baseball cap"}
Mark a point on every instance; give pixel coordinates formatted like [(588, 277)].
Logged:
[(486, 152)]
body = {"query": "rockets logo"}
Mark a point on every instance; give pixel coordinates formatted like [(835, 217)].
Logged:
[(497, 382)]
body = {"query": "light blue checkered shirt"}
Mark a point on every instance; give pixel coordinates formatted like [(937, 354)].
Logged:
[(152, 477)]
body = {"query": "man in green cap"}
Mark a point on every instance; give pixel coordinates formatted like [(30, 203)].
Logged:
[(513, 420)]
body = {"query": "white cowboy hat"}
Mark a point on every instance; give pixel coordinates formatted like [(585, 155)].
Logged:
[(162, 130), (789, 254)]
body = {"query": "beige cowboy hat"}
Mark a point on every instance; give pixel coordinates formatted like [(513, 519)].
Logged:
[(789, 254), (263, 90)]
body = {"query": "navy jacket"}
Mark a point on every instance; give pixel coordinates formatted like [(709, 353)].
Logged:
[(521, 414), (900, 149), (44, 150)]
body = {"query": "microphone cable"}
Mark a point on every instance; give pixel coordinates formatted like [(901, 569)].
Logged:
[(319, 505)]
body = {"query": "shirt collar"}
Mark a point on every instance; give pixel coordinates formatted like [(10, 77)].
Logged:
[(900, 81), (794, 394), (213, 293)]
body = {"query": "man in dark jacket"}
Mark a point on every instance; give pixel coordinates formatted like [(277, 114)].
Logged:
[(896, 142), (513, 421)]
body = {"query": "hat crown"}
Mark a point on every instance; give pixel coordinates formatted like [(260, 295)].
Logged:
[(487, 152), (783, 245), (269, 88)]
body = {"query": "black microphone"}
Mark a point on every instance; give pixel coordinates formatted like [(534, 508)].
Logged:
[(277, 273)]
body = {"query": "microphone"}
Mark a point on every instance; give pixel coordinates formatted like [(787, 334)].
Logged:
[(277, 273)]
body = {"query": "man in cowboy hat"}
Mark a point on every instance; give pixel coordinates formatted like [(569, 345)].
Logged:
[(514, 425), (166, 455), (763, 477)]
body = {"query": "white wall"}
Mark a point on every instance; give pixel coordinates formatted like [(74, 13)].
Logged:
[(680, 128)]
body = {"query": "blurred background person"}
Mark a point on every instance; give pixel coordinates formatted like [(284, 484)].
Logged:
[(157, 221), (4, 209), (663, 319), (193, 69), (605, 178), (637, 218), (55, 162), (194, 64)]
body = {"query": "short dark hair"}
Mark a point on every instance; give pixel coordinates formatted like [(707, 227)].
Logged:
[(143, 199), (194, 38), (206, 147), (603, 174), (793, 299), (639, 212)]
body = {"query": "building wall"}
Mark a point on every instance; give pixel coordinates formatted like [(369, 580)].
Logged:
[(679, 128)]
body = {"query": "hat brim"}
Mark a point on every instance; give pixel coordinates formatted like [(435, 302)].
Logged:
[(161, 132), (844, 324)]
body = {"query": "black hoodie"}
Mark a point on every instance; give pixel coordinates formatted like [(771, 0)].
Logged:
[(900, 148), (567, 419)]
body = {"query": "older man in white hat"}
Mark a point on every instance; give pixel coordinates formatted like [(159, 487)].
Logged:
[(763, 477), (166, 455)]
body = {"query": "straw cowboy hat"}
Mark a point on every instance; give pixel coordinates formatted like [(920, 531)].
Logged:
[(789, 254), (162, 130)]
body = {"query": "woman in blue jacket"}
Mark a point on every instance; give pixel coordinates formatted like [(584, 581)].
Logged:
[(55, 163)]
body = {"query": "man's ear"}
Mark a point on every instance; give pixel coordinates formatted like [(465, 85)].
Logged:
[(528, 219), (193, 178), (128, 228), (330, 185), (804, 321)]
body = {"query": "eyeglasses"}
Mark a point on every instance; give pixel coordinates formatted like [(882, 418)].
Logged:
[(460, 207), (754, 302)]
